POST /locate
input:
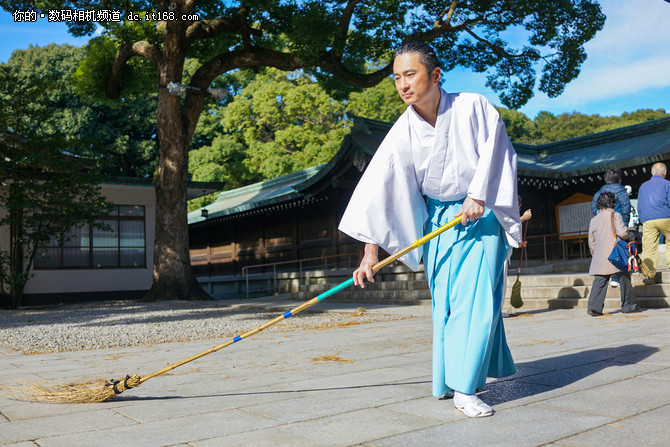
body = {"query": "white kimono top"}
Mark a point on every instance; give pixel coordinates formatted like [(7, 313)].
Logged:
[(467, 153)]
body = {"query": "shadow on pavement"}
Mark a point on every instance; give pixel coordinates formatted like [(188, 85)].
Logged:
[(123, 397), (532, 378), (546, 374)]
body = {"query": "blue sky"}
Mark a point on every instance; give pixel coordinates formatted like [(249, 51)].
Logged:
[(627, 66)]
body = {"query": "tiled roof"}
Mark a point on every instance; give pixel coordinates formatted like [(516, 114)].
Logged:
[(628, 146)]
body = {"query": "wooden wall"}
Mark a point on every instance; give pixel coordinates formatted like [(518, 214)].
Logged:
[(299, 233)]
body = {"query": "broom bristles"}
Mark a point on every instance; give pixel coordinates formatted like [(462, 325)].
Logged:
[(94, 391), (515, 299)]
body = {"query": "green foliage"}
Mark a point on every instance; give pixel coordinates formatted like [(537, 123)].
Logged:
[(119, 136), (571, 125), (380, 102), (280, 123), (285, 122), (47, 186), (91, 74), (519, 127), (548, 128), (90, 78), (221, 161)]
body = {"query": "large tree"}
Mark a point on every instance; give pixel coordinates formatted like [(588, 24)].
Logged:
[(332, 40)]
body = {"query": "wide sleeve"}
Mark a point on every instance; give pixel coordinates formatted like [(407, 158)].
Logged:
[(387, 208), (495, 177)]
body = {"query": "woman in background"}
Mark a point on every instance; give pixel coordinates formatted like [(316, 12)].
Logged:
[(601, 242)]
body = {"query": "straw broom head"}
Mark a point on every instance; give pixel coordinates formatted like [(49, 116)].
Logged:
[(79, 393), (515, 299)]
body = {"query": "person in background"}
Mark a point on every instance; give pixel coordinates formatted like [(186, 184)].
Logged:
[(601, 241), (653, 207), (613, 185)]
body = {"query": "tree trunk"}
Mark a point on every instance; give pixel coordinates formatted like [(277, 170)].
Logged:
[(172, 274), (16, 286)]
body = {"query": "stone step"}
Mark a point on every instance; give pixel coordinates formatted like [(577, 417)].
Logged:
[(366, 298), (575, 279), (527, 293), (386, 282), (378, 294), (529, 304), (377, 285), (551, 280), (584, 291), (338, 277), (549, 291), (611, 304), (535, 287)]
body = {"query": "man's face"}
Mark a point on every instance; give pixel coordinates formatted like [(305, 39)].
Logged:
[(412, 80)]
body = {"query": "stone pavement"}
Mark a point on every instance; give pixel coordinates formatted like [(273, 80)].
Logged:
[(581, 381)]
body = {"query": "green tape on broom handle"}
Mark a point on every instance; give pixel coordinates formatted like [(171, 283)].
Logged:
[(334, 290), (311, 302)]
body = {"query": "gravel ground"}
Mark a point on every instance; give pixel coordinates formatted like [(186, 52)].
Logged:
[(82, 326)]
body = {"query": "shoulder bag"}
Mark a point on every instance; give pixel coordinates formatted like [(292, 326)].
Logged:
[(620, 252)]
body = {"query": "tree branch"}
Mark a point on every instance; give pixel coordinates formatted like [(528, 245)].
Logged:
[(501, 51), (190, 5), (224, 62), (127, 51), (440, 29), (343, 26), (247, 58), (335, 66), (209, 29), (246, 29), (449, 12)]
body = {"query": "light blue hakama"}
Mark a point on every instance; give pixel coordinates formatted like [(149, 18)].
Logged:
[(465, 271)]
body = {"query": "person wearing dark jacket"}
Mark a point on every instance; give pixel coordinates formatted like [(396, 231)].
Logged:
[(613, 185)]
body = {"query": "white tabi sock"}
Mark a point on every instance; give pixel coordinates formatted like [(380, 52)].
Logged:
[(471, 405)]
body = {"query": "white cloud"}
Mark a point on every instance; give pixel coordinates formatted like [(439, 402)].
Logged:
[(632, 30), (630, 54), (608, 81)]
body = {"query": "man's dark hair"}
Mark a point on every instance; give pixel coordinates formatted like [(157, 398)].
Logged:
[(426, 53), (613, 176), (606, 200)]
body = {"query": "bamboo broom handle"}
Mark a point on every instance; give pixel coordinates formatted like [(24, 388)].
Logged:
[(309, 303)]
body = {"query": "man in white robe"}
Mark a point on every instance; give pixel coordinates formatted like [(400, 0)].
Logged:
[(447, 155)]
